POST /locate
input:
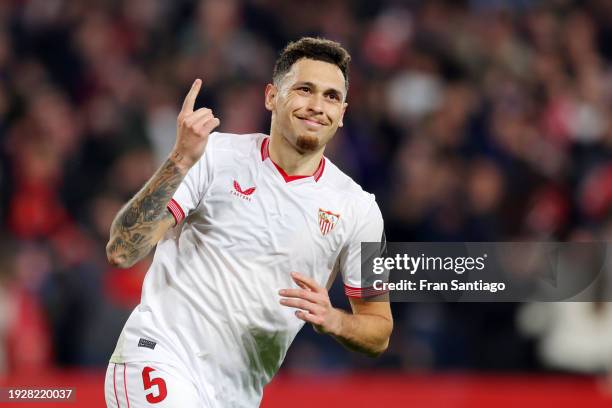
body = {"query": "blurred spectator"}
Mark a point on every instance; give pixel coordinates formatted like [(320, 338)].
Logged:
[(577, 336), (25, 341)]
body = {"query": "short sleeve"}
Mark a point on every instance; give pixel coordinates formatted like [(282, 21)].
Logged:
[(370, 229), (193, 187)]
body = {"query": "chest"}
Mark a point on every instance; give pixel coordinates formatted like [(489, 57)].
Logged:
[(254, 208)]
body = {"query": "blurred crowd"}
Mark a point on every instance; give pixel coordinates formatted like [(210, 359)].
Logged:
[(470, 121)]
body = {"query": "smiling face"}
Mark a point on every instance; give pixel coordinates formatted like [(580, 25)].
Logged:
[(307, 104)]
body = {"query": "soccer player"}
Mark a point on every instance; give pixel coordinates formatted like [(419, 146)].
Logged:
[(250, 232)]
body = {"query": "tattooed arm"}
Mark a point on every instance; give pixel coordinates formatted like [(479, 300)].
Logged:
[(144, 220)]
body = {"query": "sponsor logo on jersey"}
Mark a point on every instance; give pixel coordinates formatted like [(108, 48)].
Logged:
[(244, 194), (146, 343), (327, 221)]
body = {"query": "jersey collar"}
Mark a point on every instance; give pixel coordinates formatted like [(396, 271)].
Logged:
[(265, 154)]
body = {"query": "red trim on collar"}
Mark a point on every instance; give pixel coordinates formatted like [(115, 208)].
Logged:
[(265, 149), (287, 177), (319, 172), (265, 154)]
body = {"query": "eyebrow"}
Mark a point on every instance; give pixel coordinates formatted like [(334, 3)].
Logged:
[(312, 85)]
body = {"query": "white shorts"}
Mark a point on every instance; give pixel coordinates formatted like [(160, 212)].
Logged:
[(149, 384)]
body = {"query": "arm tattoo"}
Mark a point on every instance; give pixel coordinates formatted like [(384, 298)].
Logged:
[(133, 228)]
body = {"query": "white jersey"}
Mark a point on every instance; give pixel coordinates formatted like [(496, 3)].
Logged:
[(210, 298)]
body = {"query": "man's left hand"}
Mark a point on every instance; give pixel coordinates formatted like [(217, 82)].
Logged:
[(313, 303)]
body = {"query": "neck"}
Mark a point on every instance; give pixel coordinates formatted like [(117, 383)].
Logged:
[(292, 161)]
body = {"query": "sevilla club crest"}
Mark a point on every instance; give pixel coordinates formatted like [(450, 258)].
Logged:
[(327, 221)]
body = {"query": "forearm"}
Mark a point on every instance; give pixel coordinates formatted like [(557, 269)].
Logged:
[(136, 228), (366, 330), (368, 334)]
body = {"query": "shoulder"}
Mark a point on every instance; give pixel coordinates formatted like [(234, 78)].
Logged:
[(339, 182), (234, 143)]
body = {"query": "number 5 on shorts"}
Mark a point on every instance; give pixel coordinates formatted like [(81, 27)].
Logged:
[(149, 382)]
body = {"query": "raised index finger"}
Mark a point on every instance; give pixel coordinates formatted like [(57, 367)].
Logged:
[(189, 101)]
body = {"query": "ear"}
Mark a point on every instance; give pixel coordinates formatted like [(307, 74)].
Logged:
[(344, 106), (270, 97)]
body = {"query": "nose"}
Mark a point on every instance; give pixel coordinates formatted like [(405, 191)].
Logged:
[(315, 103)]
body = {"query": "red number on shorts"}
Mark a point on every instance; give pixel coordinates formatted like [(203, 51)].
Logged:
[(148, 383)]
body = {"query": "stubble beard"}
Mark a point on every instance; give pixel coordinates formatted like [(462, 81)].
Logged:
[(307, 143)]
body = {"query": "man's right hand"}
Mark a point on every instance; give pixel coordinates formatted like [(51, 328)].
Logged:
[(192, 130), (141, 223)]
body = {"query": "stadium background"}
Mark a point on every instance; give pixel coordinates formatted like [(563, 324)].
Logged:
[(470, 121)]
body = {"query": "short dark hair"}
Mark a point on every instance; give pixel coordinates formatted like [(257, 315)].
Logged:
[(318, 49)]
